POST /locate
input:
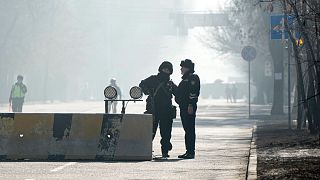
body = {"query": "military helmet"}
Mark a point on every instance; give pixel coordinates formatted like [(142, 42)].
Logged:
[(166, 64)]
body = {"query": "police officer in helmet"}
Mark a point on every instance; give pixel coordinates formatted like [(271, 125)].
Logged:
[(186, 96), (159, 89)]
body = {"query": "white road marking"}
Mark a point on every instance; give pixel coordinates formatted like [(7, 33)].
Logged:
[(29, 179), (63, 166)]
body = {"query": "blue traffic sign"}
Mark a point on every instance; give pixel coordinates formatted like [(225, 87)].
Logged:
[(248, 53), (277, 28)]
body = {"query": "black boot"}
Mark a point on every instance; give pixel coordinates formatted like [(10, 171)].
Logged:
[(165, 154), (186, 156)]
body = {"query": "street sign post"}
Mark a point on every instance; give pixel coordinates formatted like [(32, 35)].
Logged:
[(277, 28), (279, 32), (249, 53)]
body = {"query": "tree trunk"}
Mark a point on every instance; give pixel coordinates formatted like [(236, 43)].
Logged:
[(316, 108), (311, 102), (276, 50), (300, 84)]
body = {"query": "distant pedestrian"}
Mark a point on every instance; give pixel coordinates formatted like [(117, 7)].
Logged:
[(186, 96), (228, 94), (17, 94), (234, 92), (113, 104)]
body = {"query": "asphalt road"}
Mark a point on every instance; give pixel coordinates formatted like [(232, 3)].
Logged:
[(223, 142)]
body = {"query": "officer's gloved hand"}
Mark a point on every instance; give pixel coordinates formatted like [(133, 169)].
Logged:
[(170, 83), (172, 86)]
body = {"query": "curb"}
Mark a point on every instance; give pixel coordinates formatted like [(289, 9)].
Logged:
[(252, 164)]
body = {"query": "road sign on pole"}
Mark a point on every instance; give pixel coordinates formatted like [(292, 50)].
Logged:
[(249, 53), (279, 32), (277, 28)]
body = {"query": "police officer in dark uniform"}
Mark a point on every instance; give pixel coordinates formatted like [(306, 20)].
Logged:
[(186, 96), (159, 103)]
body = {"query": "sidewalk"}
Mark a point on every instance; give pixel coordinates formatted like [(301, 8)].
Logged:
[(284, 153)]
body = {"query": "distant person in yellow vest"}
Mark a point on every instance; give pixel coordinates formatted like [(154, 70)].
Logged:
[(17, 94)]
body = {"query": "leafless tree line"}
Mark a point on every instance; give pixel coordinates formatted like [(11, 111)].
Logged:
[(306, 53), (249, 25)]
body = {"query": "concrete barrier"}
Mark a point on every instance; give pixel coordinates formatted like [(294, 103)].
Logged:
[(47, 136)]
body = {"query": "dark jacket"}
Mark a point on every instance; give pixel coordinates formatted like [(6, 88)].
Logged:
[(160, 97), (188, 90)]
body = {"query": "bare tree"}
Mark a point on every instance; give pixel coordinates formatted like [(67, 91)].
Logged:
[(249, 25), (306, 15)]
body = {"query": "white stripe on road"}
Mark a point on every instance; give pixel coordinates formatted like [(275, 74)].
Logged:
[(63, 166)]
